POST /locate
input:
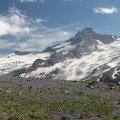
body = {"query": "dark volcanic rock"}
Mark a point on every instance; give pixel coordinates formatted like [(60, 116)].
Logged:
[(69, 55), (88, 34), (55, 58), (86, 47), (49, 49), (111, 76), (85, 42), (38, 63), (19, 71), (106, 38), (84, 35), (22, 53)]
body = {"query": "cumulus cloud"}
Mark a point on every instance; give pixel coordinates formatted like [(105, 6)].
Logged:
[(19, 32), (14, 23), (103, 10), (42, 1)]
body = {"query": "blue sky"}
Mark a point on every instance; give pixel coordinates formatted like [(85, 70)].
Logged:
[(32, 25)]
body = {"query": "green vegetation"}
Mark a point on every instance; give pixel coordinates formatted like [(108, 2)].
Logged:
[(23, 102)]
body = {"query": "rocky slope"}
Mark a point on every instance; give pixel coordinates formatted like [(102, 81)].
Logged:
[(82, 57), (113, 76)]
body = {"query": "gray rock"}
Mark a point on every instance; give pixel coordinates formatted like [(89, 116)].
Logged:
[(55, 58), (22, 52), (49, 49), (38, 63), (107, 76)]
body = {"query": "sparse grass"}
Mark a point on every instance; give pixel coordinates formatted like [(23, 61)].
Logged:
[(96, 105), (23, 102)]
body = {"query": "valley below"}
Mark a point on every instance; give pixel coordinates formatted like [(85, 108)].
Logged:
[(36, 99)]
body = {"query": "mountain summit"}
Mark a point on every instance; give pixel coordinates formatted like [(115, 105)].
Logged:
[(87, 55)]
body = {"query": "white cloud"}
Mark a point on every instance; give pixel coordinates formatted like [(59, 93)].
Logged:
[(14, 23), (40, 20), (19, 32), (42, 39), (103, 10), (42, 1)]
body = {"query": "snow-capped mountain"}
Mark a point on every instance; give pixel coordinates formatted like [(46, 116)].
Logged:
[(85, 56)]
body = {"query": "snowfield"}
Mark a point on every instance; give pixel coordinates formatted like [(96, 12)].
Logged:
[(107, 56), (103, 59), (14, 61)]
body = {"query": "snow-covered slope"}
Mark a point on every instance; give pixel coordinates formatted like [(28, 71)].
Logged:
[(65, 48), (94, 64), (82, 57), (13, 61)]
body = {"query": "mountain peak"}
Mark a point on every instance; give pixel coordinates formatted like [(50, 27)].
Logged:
[(84, 35), (82, 57), (84, 32), (88, 29)]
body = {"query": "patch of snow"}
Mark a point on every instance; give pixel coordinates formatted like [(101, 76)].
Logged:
[(118, 38), (43, 70), (82, 43), (113, 37), (13, 61), (61, 45), (65, 48), (98, 79), (100, 43), (115, 73)]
